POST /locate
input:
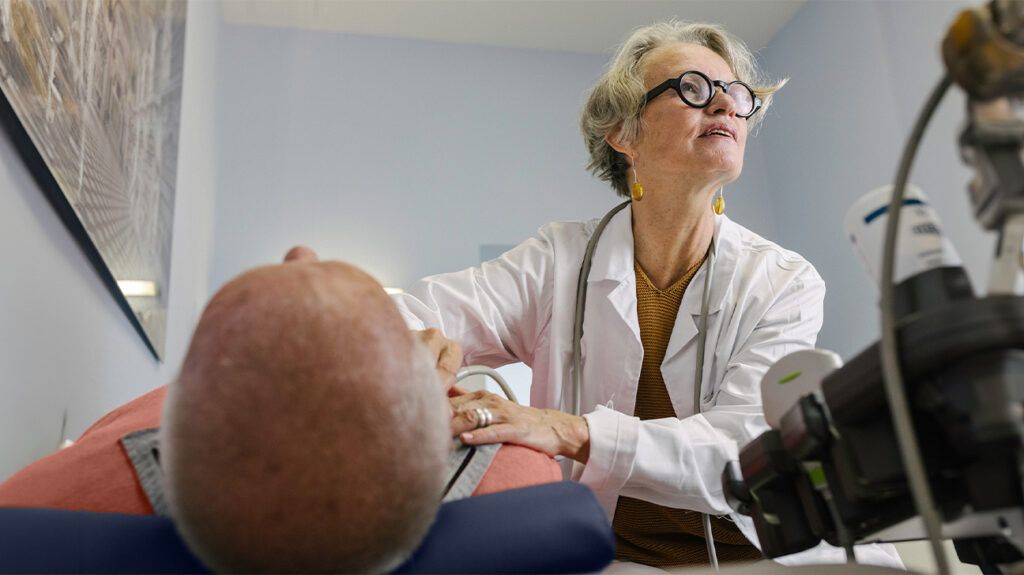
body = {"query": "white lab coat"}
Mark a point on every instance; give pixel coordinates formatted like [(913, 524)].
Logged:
[(765, 302)]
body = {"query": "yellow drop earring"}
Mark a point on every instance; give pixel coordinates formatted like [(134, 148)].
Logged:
[(719, 205), (638, 190)]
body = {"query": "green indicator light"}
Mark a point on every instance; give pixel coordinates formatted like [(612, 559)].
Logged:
[(790, 377), (817, 476)]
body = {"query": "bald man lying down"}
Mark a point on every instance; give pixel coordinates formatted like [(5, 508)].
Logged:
[(307, 431)]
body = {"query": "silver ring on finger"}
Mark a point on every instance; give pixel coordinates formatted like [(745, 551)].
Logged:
[(484, 417)]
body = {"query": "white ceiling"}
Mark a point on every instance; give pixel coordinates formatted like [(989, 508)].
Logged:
[(588, 26)]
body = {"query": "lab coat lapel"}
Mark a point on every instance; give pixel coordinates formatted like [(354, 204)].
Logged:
[(610, 362), (613, 266)]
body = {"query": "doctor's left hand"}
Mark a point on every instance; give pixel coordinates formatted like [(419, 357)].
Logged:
[(548, 430)]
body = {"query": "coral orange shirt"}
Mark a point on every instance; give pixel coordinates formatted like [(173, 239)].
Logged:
[(96, 474), (93, 474)]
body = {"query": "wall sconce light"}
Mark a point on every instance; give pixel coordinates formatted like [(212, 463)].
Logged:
[(137, 288)]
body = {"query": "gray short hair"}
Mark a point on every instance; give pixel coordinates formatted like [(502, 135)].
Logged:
[(616, 101)]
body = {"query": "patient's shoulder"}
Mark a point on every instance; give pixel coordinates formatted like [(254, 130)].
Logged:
[(94, 473), (515, 466)]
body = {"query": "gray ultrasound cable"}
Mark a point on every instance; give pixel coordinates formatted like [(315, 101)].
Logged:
[(893, 376), (491, 373)]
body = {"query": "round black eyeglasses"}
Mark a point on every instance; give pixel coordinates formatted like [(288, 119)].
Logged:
[(697, 90)]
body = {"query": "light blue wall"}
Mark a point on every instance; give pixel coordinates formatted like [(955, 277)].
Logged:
[(403, 156), (64, 343), (406, 156), (400, 156), (860, 72)]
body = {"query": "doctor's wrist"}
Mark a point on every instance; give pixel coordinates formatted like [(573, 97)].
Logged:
[(575, 437)]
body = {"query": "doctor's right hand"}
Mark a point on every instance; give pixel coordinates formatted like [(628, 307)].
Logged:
[(448, 354)]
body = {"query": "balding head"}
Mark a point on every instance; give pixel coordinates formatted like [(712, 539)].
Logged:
[(307, 430)]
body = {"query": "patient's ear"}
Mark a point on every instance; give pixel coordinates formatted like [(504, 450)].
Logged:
[(301, 254)]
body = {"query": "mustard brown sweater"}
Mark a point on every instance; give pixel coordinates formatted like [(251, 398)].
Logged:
[(645, 532)]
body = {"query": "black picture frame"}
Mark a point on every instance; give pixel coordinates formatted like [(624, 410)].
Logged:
[(90, 98), (48, 185)]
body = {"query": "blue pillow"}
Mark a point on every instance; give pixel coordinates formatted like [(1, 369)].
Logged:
[(553, 528), (58, 541)]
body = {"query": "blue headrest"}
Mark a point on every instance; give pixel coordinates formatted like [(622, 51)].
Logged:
[(554, 528), (58, 541)]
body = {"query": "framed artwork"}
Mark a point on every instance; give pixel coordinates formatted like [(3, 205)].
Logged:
[(91, 99)]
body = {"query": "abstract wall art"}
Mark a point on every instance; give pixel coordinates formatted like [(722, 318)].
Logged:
[(91, 98)]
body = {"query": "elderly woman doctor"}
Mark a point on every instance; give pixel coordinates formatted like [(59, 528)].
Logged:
[(676, 294)]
